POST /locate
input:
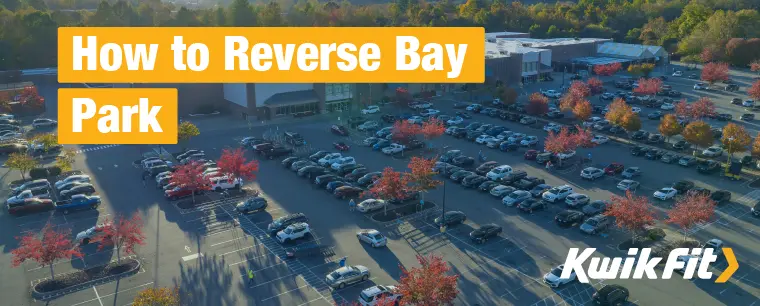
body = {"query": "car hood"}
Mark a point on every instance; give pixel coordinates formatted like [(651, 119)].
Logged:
[(81, 235), (362, 269), (659, 193), (586, 227), (551, 277)]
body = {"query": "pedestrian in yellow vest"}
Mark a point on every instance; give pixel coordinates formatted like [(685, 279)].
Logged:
[(250, 277)]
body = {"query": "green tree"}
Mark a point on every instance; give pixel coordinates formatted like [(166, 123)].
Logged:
[(241, 14), (186, 131), (66, 160), (47, 140), (21, 162)]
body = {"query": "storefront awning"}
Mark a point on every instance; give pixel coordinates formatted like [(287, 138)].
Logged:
[(292, 98)]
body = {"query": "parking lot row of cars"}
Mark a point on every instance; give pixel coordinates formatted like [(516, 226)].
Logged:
[(69, 193)]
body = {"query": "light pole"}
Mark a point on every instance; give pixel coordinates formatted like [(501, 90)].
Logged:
[(443, 209)]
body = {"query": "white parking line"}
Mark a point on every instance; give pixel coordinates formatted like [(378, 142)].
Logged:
[(110, 294), (322, 298), (235, 251), (286, 292), (352, 285), (251, 259), (267, 282), (97, 295)]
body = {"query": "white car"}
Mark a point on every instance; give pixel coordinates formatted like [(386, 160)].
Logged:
[(36, 123), (685, 259), (7, 117), (499, 172), (430, 112), (715, 244), (371, 295), (626, 185), (600, 139), (394, 148), (11, 135), (645, 98), (369, 125), (422, 105), (84, 237), (223, 183), (577, 200), (713, 151), (552, 127), (482, 139), (211, 172), (557, 193), (748, 103), (701, 86), (450, 130), (635, 110), (329, 159), (83, 178), (371, 109), (369, 141), (666, 193), (591, 173), (343, 161), (454, 121), (372, 237), (551, 93), (293, 232), (592, 121), (166, 174), (529, 141), (370, 205), (415, 120), (473, 107), (667, 106), (554, 279), (566, 155), (678, 73)]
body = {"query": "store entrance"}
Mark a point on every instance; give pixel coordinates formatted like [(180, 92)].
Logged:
[(337, 106)]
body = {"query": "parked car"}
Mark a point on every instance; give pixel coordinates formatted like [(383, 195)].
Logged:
[(568, 218), (485, 232), (557, 193), (252, 204), (450, 218), (596, 224), (611, 294), (627, 184), (591, 173), (595, 207), (576, 200), (372, 237), (346, 276), (554, 277)]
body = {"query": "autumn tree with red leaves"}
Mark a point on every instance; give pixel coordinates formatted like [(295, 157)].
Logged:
[(391, 185), (403, 131), (691, 210), (564, 141), (432, 129), (403, 96), (755, 66), (45, 247), (568, 102), (190, 176), (30, 97), (235, 166), (579, 89), (714, 72), (703, 107), (124, 233), (648, 86), (537, 104), (707, 55), (754, 90), (583, 137), (683, 109), (595, 85), (428, 285), (631, 212), (582, 110), (608, 69), (421, 177), (618, 111)]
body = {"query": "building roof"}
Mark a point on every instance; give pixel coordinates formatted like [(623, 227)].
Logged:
[(292, 98), (597, 60), (631, 51), (495, 35), (540, 43)]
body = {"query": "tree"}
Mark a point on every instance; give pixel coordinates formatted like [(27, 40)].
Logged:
[(648, 86), (509, 96), (123, 234), (421, 177), (583, 137), (631, 122), (45, 247), (46, 140), (66, 160), (669, 126), (755, 151), (631, 212), (608, 69), (691, 210), (568, 102), (402, 96), (186, 131), (641, 69), (160, 296), (595, 85), (698, 133), (537, 104), (235, 166), (735, 138), (579, 89), (428, 285), (190, 176), (683, 109), (707, 55), (714, 72), (391, 185), (432, 129), (564, 141), (617, 111), (755, 66), (754, 90), (403, 131), (703, 107), (21, 162), (582, 110)]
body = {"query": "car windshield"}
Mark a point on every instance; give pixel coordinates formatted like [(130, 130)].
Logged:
[(514, 195), (335, 275), (591, 222), (288, 230), (664, 190), (376, 236), (554, 190), (557, 271)]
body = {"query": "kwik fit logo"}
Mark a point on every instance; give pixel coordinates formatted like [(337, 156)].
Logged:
[(686, 261)]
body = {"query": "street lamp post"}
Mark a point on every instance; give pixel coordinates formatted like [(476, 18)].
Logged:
[(443, 209)]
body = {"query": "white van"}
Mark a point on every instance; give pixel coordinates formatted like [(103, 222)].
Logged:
[(220, 183), (499, 172)]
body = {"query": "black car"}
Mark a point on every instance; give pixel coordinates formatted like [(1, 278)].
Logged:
[(277, 151), (368, 179), (721, 197), (312, 171), (325, 179), (356, 174), (615, 130), (459, 132), (513, 177), (460, 175), (680, 145), (683, 186), (9, 148), (346, 169), (496, 130), (473, 181), (451, 218), (708, 167), (282, 222), (639, 151), (482, 234), (509, 146), (287, 162), (473, 126), (674, 93), (655, 138), (724, 117), (86, 188), (463, 115), (611, 295), (654, 154), (463, 161), (486, 167), (262, 147), (487, 185), (555, 115), (640, 135), (472, 134), (414, 145), (388, 118), (331, 186), (747, 117), (346, 192), (528, 183), (569, 218), (318, 155), (530, 205)]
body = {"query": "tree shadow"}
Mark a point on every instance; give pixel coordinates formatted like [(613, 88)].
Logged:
[(209, 280)]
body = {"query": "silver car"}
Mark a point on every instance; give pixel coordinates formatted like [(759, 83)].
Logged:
[(347, 276)]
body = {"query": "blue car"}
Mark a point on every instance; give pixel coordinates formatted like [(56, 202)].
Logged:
[(508, 146), (331, 186), (381, 144)]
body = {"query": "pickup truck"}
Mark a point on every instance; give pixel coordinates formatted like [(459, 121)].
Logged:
[(78, 202), (42, 193)]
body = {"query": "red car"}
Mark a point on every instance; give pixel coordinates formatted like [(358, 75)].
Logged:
[(30, 205), (614, 168), (341, 146), (339, 130), (531, 154)]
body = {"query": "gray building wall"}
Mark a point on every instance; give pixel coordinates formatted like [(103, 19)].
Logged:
[(565, 53), (507, 69)]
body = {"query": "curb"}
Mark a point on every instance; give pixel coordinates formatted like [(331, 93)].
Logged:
[(78, 287)]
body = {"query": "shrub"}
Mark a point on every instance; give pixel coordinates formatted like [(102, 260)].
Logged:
[(38, 173), (54, 171)]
